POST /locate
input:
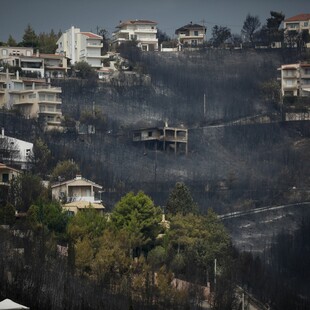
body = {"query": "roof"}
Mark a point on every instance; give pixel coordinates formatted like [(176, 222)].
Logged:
[(56, 56), (78, 181), (8, 304), (136, 22), (80, 205), (3, 166), (299, 17), (190, 26), (92, 35)]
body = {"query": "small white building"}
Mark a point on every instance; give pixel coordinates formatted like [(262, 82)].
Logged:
[(81, 46), (77, 189), (15, 152), (142, 31)]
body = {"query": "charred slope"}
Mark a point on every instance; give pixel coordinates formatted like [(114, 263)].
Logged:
[(227, 166)]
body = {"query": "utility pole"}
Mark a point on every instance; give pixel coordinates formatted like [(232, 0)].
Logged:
[(214, 273), (204, 105)]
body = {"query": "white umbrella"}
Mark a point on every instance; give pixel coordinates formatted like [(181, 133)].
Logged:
[(8, 304)]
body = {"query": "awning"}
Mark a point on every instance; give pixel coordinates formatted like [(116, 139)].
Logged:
[(8, 304)]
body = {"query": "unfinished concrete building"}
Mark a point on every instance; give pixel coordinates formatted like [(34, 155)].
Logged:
[(163, 138)]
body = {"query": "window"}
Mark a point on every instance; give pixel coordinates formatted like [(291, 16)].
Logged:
[(4, 52), (150, 134), (289, 82), (5, 178), (306, 24), (196, 33)]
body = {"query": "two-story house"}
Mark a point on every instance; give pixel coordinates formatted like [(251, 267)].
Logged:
[(295, 91), (78, 193), (295, 80), (163, 138), (7, 174), (297, 23), (81, 46), (191, 35), (144, 32), (34, 98)]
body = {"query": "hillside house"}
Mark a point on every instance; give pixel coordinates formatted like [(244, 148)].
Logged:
[(15, 152), (163, 138), (142, 31), (81, 46), (77, 189), (191, 35), (33, 98), (7, 174), (297, 24), (295, 79), (295, 91)]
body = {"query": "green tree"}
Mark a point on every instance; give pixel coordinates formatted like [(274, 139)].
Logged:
[(197, 240), (112, 260), (30, 38), (84, 70), (64, 170), (7, 214), (26, 190), (250, 26), (273, 24), (105, 40), (220, 35), (50, 215), (11, 41), (41, 158), (137, 215), (87, 224), (180, 200), (47, 42)]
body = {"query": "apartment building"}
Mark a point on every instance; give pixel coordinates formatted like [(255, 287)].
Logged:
[(34, 98), (142, 31), (295, 79), (35, 64), (81, 46), (191, 35)]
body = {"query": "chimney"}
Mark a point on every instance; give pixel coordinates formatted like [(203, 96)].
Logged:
[(37, 53), (78, 177), (2, 132)]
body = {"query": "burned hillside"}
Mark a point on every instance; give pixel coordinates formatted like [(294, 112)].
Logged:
[(226, 167)]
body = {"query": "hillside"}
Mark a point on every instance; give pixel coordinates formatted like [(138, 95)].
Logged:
[(227, 167)]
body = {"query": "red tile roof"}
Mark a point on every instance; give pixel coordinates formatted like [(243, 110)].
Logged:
[(300, 17), (92, 35)]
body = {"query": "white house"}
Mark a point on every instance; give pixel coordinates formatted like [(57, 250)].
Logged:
[(295, 79), (191, 35), (142, 31), (14, 151), (81, 46)]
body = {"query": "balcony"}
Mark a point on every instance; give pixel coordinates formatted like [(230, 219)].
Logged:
[(152, 31), (94, 45), (48, 112)]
